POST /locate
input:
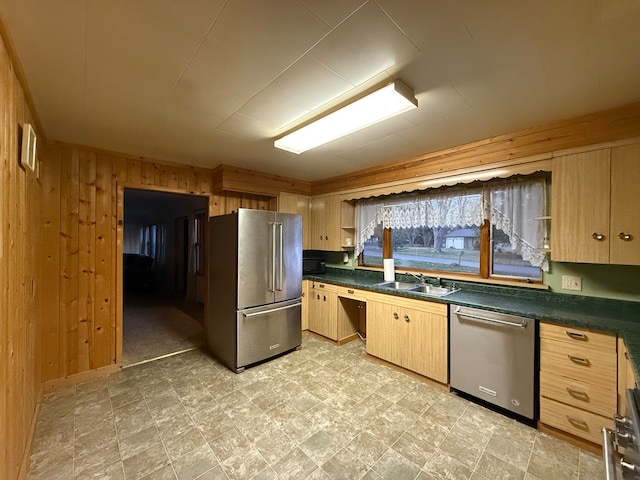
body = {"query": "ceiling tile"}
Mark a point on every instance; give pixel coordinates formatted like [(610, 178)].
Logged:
[(205, 99), (309, 84), (333, 12), (366, 44), (273, 110)]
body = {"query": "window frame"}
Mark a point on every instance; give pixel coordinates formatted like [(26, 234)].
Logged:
[(485, 255)]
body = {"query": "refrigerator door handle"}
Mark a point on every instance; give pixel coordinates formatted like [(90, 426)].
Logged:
[(281, 249), (272, 287), (264, 312)]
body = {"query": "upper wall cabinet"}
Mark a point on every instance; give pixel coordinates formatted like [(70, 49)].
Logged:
[(325, 223), (291, 203), (594, 217)]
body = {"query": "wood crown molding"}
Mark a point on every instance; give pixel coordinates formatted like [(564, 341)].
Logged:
[(235, 179)]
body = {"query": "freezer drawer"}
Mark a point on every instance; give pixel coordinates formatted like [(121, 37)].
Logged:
[(264, 332), (493, 358)]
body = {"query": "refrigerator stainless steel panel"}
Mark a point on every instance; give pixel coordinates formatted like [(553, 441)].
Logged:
[(269, 257), (493, 358), (288, 256), (255, 285), (267, 331)]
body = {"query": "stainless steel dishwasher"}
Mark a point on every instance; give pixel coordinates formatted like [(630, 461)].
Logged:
[(493, 358)]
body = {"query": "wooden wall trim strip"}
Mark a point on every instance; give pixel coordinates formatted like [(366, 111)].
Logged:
[(591, 129), (466, 175), (236, 179)]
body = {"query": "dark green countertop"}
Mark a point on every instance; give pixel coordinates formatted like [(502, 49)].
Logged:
[(616, 316)]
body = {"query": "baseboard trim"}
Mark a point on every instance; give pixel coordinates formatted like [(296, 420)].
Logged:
[(58, 383)]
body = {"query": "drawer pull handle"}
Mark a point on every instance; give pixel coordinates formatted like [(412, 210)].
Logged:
[(581, 424), (321, 285), (406, 318), (350, 291), (578, 394), (597, 236), (579, 360), (627, 237), (395, 315), (577, 335)]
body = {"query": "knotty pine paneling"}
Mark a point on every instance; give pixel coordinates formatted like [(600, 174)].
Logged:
[(21, 242), (84, 190)]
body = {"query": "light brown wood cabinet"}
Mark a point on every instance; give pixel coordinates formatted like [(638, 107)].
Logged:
[(291, 203), (594, 214), (322, 311), (409, 333), (626, 376), (305, 305), (325, 223), (578, 380)]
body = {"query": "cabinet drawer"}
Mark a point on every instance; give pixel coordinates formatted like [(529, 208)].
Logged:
[(353, 293), (579, 362), (578, 422), (578, 336), (325, 287), (593, 398)]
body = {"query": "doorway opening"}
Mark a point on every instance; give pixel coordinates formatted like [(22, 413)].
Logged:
[(164, 249)]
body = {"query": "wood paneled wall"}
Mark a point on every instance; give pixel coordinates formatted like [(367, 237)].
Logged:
[(20, 281), (82, 223), (594, 128)]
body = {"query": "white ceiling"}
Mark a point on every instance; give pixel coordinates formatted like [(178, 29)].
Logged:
[(205, 82)]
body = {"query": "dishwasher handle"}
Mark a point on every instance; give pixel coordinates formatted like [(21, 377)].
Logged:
[(522, 324)]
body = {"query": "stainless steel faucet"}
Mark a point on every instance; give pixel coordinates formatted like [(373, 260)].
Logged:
[(419, 277)]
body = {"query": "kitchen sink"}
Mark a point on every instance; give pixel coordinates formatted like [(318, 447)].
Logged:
[(396, 285), (434, 290)]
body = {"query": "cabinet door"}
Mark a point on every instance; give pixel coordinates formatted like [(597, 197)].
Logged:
[(317, 223), (305, 305), (291, 203), (425, 337), (322, 313), (382, 332), (624, 230), (325, 223), (580, 207)]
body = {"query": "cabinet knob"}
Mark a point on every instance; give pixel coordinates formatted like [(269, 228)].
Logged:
[(318, 297), (324, 298), (406, 318), (597, 236), (326, 237), (350, 292), (627, 237), (395, 315)]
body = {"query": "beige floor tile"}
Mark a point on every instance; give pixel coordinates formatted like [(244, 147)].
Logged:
[(322, 413)]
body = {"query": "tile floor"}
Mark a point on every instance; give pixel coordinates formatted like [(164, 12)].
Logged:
[(323, 412)]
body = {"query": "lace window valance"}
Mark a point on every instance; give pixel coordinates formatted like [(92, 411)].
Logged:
[(510, 205)]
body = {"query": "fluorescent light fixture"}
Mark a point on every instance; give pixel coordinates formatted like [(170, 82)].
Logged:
[(384, 103)]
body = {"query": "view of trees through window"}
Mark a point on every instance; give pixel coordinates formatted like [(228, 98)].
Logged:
[(427, 248), (448, 249)]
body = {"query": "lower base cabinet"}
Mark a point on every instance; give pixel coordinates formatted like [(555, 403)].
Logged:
[(410, 333), (322, 306), (578, 380)]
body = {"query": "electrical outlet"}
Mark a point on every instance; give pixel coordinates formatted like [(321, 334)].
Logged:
[(571, 283)]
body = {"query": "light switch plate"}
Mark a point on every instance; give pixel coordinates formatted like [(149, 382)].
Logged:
[(571, 283)]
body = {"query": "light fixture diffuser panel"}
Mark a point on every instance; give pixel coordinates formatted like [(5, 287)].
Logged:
[(384, 103), (28, 153)]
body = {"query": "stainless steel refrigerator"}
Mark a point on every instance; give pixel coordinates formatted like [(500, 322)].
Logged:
[(255, 286)]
